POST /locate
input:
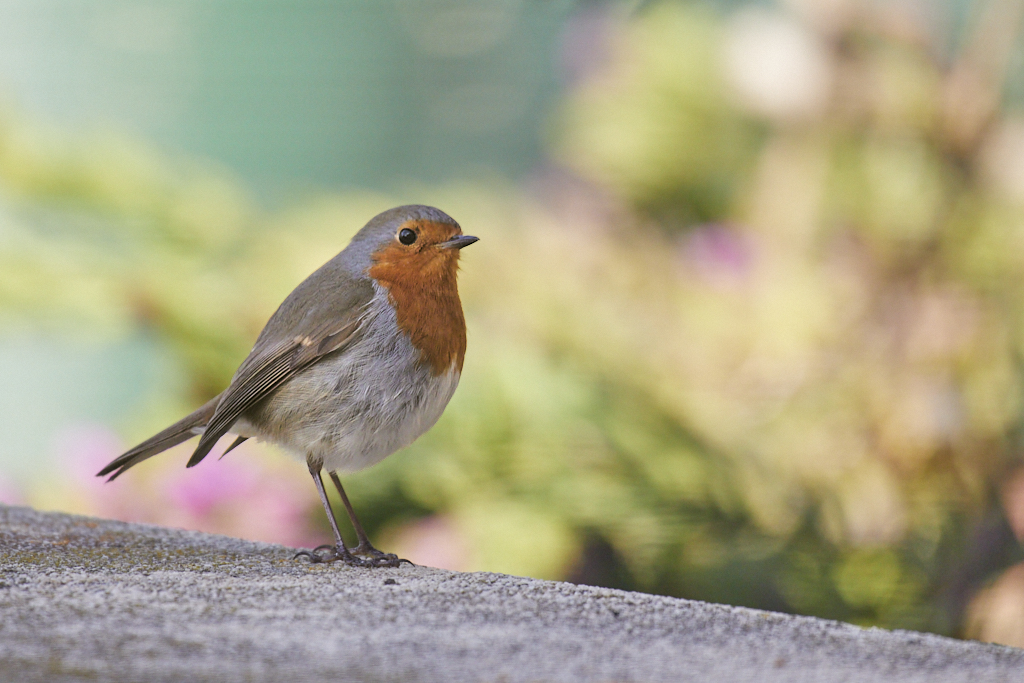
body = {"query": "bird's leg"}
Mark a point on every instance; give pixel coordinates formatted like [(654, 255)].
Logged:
[(364, 541), (328, 553), (364, 548)]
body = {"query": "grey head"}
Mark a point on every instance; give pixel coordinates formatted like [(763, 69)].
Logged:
[(342, 284), (381, 229)]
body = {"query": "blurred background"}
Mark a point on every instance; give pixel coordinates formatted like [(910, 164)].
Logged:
[(746, 323)]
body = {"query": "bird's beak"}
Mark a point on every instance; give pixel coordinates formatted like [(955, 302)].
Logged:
[(458, 242)]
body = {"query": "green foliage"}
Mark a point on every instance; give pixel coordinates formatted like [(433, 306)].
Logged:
[(657, 125)]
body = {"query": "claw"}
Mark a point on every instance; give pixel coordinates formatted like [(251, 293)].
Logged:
[(377, 558), (363, 555), (314, 555), (335, 554)]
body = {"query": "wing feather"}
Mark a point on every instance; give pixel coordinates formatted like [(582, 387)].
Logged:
[(267, 368)]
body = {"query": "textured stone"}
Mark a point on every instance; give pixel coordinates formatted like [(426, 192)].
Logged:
[(90, 600)]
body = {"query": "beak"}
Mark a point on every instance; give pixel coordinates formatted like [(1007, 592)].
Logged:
[(458, 242)]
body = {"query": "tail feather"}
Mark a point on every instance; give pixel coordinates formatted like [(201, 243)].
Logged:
[(180, 431), (235, 444)]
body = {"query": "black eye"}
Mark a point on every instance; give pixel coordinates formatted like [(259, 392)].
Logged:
[(406, 236)]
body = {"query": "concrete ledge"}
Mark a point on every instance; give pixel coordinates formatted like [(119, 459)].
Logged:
[(84, 600)]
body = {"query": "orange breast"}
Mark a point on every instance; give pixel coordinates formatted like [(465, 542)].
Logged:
[(422, 288)]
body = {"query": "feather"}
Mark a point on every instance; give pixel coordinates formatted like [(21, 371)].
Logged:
[(235, 444)]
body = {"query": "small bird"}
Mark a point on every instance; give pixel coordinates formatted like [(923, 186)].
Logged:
[(359, 361)]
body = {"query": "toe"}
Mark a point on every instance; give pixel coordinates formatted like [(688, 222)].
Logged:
[(319, 554)]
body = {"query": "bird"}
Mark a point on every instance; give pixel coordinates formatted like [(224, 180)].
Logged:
[(356, 363)]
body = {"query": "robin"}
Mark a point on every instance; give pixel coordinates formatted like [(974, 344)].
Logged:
[(359, 361)]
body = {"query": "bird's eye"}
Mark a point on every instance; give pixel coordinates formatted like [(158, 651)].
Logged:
[(406, 236)]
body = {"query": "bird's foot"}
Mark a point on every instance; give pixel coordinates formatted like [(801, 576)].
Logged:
[(377, 558), (332, 553)]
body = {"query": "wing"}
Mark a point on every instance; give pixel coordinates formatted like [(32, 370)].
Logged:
[(274, 360)]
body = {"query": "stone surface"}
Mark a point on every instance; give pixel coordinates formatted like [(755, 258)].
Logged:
[(91, 600)]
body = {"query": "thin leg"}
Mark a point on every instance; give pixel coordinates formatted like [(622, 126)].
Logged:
[(364, 548), (338, 551), (360, 534)]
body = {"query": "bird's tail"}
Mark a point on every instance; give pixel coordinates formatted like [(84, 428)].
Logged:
[(180, 431)]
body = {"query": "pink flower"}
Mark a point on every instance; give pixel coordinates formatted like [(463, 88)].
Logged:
[(218, 483), (243, 496), (719, 254), (9, 493), (83, 450), (434, 541), (249, 494)]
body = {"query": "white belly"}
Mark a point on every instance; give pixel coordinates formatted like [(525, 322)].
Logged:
[(358, 406)]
